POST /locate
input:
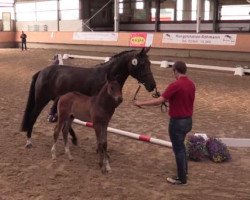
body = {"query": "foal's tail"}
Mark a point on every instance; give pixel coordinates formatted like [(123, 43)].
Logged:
[(30, 105)]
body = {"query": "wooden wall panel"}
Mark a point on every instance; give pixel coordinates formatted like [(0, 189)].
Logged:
[(242, 42)]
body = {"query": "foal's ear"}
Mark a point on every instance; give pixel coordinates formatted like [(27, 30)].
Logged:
[(145, 50)]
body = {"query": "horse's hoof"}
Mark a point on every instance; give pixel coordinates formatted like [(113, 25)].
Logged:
[(53, 157), (74, 142), (28, 145), (71, 158), (108, 168), (106, 171)]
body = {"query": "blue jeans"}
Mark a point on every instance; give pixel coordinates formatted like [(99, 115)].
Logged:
[(178, 129), (24, 45)]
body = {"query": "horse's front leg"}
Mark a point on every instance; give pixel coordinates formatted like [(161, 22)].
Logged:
[(53, 116), (102, 144)]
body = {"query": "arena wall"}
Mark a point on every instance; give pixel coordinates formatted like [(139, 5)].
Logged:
[(7, 39), (64, 39)]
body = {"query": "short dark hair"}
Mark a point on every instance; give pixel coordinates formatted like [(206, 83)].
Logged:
[(180, 67)]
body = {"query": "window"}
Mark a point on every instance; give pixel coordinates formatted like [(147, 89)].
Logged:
[(46, 6), (48, 15), (69, 11), (207, 10), (179, 10), (194, 10), (6, 9), (166, 14), (139, 5), (6, 1), (28, 16), (25, 12), (69, 14), (25, 7), (47, 10), (121, 6), (69, 5), (235, 12)]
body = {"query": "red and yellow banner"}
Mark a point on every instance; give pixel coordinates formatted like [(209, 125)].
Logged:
[(138, 39)]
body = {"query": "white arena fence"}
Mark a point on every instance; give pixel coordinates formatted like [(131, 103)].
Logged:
[(238, 70), (144, 138), (232, 142)]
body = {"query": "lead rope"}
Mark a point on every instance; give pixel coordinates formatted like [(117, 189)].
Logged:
[(138, 89), (156, 94)]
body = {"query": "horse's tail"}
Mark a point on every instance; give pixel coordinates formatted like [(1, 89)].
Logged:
[(30, 105)]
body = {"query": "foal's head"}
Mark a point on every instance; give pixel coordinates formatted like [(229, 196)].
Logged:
[(114, 89)]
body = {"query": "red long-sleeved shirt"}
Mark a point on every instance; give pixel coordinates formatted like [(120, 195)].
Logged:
[(180, 95)]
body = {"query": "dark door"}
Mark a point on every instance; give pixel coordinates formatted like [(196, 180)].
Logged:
[(104, 20)]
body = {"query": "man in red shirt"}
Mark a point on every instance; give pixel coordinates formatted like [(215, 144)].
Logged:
[(180, 94)]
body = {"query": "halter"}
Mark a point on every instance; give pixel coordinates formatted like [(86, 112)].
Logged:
[(140, 76)]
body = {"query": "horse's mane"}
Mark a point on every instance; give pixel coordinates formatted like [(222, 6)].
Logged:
[(116, 56), (121, 54)]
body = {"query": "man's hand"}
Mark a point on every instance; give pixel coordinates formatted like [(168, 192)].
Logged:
[(137, 103)]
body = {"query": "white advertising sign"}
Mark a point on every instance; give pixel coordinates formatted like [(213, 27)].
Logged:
[(207, 39), (149, 40), (94, 36)]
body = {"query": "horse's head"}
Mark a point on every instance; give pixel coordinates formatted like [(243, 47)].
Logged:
[(139, 68), (114, 89)]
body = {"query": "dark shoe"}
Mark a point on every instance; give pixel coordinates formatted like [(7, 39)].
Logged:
[(177, 178), (175, 181)]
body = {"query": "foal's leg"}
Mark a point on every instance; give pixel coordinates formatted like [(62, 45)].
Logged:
[(101, 135), (57, 130), (53, 116), (73, 135), (65, 137)]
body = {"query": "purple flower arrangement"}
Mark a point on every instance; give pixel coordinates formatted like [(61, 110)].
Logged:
[(217, 150), (198, 149)]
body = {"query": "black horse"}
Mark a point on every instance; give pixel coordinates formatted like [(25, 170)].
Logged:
[(54, 81)]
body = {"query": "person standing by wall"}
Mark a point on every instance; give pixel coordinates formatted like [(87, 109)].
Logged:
[(180, 94), (23, 37)]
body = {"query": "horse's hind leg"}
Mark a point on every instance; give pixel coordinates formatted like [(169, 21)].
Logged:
[(65, 137), (34, 114), (73, 135), (57, 131)]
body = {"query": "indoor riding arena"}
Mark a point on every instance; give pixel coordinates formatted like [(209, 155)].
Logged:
[(211, 37)]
